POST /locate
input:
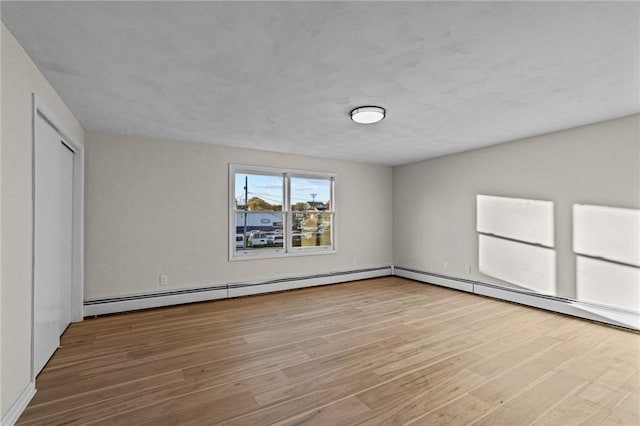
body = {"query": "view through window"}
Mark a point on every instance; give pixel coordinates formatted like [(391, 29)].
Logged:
[(280, 212)]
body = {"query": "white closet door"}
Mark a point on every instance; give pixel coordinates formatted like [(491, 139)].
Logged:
[(66, 234), (53, 185)]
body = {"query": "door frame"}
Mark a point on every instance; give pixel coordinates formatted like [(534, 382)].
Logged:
[(39, 108)]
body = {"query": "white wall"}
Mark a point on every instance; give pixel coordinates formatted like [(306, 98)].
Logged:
[(435, 200), (20, 78), (161, 207), (1, 138)]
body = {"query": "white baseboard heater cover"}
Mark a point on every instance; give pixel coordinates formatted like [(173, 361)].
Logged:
[(245, 289), (614, 316), (437, 279), (177, 297), (606, 314), (594, 312), (153, 300)]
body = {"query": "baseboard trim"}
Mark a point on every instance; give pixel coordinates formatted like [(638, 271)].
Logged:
[(153, 300), (593, 312), (246, 289), (437, 279), (177, 297), (16, 409), (605, 314)]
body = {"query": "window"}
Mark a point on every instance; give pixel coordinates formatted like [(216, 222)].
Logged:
[(275, 212)]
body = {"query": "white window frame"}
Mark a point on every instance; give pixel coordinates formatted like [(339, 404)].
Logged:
[(287, 250)]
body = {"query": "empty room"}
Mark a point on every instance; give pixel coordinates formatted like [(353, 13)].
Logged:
[(320, 213)]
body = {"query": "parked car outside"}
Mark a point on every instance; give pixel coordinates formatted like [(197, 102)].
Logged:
[(274, 239), (271, 235), (256, 239), (239, 241)]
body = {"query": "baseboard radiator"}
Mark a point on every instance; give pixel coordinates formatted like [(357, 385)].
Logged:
[(176, 297), (600, 313)]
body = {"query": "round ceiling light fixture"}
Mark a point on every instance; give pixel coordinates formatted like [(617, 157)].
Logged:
[(367, 114)]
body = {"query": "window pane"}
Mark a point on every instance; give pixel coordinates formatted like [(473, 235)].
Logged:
[(259, 212), (262, 192), (310, 229), (310, 194), (258, 230)]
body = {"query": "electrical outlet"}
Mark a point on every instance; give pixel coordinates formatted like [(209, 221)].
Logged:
[(164, 280), (467, 269)]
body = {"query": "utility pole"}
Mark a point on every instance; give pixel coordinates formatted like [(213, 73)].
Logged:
[(246, 208), (317, 219)]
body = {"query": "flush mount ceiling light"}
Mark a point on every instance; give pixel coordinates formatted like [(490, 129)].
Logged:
[(367, 114)]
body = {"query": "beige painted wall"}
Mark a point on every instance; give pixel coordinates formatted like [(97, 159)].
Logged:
[(20, 78), (435, 200), (160, 207)]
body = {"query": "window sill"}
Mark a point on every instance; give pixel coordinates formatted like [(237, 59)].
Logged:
[(275, 254)]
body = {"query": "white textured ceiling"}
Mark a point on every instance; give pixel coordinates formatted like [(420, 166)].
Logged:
[(283, 76)]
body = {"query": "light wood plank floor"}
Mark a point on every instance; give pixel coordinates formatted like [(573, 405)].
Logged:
[(386, 351)]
